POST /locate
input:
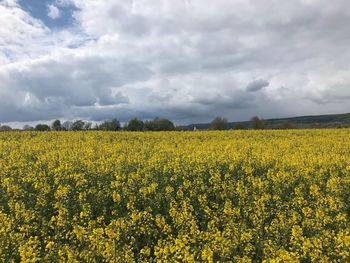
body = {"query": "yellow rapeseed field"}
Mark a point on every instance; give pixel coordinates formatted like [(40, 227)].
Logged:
[(240, 196)]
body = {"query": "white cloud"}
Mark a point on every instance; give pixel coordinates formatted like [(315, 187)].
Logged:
[(18, 32), (186, 60), (9, 3), (53, 12)]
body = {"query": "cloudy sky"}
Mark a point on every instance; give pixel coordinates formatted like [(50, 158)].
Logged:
[(187, 60)]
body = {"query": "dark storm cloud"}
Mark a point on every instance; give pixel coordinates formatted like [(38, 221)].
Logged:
[(257, 85), (52, 87)]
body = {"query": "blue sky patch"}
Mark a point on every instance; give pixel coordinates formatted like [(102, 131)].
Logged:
[(41, 10)]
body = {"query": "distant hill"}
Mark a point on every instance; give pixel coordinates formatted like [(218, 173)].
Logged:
[(317, 121)]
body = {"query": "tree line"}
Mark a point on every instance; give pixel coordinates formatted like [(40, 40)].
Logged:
[(157, 124), (220, 123)]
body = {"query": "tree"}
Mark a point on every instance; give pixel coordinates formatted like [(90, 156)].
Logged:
[(5, 128), (219, 123), (88, 126), (113, 125), (239, 126), (28, 128), (42, 127), (159, 125), (135, 125), (78, 125), (257, 123), (67, 125), (286, 126), (56, 125)]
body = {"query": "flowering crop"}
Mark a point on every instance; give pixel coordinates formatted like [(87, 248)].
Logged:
[(242, 196)]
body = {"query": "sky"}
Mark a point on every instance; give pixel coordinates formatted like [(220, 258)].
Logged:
[(186, 60)]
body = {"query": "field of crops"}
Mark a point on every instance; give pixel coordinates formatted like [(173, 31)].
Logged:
[(242, 196)]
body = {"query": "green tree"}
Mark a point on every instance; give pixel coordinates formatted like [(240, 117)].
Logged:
[(67, 125), (135, 125), (113, 125), (219, 123), (257, 123), (42, 127), (88, 126), (5, 128), (159, 124), (239, 126), (78, 125), (56, 125), (286, 126)]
